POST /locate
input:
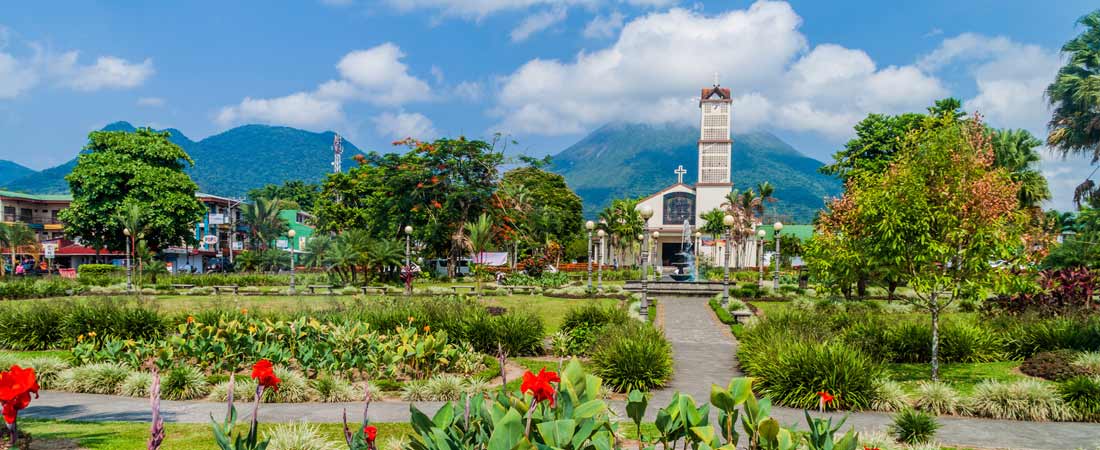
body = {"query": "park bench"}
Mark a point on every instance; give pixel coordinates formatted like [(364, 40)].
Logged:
[(456, 288), (521, 289), (373, 290), (182, 286), (740, 314), (232, 287), (313, 288)]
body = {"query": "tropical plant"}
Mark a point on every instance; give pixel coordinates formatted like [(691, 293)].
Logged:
[(914, 427), (264, 223), (315, 249), (1074, 97), (1014, 151), (477, 238), (1025, 399)]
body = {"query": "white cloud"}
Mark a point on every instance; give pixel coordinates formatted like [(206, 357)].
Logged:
[(603, 27), (376, 76), (301, 109), (108, 72), (15, 77), (155, 102), (401, 125), (537, 22), (468, 90), (655, 68)]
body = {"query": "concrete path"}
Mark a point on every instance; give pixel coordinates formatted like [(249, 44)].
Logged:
[(704, 353)]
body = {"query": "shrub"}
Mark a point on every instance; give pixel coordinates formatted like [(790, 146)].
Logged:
[(1018, 400), (415, 391), (98, 378), (32, 326), (938, 398), (292, 388), (914, 427), (244, 388), (330, 388), (632, 356), (736, 305), (113, 318), (183, 383), (1088, 361), (98, 269), (47, 369), (889, 396), (136, 384), (1082, 395), (519, 333), (591, 315), (798, 370), (444, 387), (1056, 365), (298, 436), (872, 337), (1028, 337), (911, 342)]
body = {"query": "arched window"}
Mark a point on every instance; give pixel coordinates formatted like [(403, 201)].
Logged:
[(679, 206)]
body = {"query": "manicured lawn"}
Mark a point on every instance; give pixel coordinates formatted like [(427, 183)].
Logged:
[(551, 309), (961, 376), (63, 354), (179, 436)]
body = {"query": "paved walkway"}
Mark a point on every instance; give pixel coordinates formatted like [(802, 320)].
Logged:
[(704, 354)]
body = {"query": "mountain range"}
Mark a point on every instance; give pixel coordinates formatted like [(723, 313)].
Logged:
[(617, 160), (632, 160)]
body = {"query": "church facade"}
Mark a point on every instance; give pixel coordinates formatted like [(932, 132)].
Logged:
[(681, 203)]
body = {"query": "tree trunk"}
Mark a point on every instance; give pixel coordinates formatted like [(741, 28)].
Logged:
[(935, 309), (861, 288), (891, 288)]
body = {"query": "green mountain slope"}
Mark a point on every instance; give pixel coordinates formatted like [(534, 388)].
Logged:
[(229, 163), (632, 160), (12, 171)]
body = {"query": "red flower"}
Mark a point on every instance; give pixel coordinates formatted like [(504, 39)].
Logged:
[(539, 385), (419, 185), (264, 374), (371, 431), (16, 387), (436, 204), (825, 397), (870, 448)]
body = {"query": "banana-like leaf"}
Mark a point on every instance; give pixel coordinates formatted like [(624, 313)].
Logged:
[(507, 432), (558, 433)]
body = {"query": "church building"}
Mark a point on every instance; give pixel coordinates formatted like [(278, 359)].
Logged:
[(681, 203)]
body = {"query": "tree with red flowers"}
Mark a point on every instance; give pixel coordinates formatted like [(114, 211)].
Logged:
[(16, 386), (940, 216)]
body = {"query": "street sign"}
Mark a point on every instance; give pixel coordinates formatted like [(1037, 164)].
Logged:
[(210, 239), (217, 219), (282, 244), (49, 250)]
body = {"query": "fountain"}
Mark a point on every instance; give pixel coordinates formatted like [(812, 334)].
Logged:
[(684, 260)]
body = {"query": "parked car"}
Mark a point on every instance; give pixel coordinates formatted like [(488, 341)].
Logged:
[(219, 265)]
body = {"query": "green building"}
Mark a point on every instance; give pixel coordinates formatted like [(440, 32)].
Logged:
[(802, 232), (299, 221)]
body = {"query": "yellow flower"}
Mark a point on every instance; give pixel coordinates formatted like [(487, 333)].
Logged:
[(251, 329), (91, 334), (80, 338), (427, 329), (411, 319)]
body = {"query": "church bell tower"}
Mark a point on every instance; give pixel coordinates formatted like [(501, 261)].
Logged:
[(714, 148)]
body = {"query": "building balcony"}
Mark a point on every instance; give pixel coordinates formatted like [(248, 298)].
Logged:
[(30, 220)]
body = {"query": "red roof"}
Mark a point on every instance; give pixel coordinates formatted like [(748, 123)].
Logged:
[(722, 92), (80, 250)]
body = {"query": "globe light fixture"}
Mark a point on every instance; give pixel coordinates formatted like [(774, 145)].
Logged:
[(778, 226), (590, 225), (645, 211), (728, 220), (408, 229), (408, 261)]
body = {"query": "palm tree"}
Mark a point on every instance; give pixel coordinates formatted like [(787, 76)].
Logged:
[(129, 217), (264, 223), (342, 258), (1014, 151), (15, 235), (358, 242), (315, 249), (1075, 98), (478, 237), (383, 254), (766, 191)]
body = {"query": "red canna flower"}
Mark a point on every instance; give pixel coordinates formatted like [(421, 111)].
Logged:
[(825, 397), (16, 387), (371, 431), (539, 385), (264, 374)]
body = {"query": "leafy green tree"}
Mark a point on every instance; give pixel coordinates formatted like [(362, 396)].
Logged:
[(477, 239), (1074, 97), (941, 216), (555, 210), (622, 222), (315, 249), (140, 168), (297, 192), (15, 235)]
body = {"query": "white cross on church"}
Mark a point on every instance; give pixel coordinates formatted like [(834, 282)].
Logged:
[(680, 174)]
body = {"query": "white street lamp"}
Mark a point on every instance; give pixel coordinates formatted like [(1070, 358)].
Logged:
[(695, 256), (589, 225), (760, 234), (408, 263), (599, 259), (727, 221), (129, 261), (290, 246), (645, 211), (778, 226)]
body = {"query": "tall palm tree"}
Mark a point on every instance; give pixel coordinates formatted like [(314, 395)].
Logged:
[(1075, 98), (264, 223), (1014, 151), (315, 249), (15, 235), (478, 237), (342, 258), (766, 191)]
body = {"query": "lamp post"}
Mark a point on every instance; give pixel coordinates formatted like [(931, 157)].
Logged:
[(645, 211), (599, 259), (695, 257), (408, 261), (778, 227), (129, 261), (760, 255), (656, 260), (728, 222), (590, 225), (641, 250), (290, 246)]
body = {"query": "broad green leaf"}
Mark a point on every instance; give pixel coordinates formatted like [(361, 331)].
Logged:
[(558, 433)]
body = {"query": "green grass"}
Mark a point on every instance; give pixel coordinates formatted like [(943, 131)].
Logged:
[(551, 309), (179, 436), (961, 376), (62, 354)]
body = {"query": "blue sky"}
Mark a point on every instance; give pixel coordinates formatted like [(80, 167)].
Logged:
[(543, 71)]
